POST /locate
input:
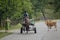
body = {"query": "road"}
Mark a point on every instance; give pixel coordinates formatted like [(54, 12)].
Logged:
[(42, 33)]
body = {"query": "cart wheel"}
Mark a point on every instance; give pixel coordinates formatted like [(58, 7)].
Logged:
[(35, 30), (21, 31)]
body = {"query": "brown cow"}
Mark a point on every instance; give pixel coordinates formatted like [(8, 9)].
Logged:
[(50, 24)]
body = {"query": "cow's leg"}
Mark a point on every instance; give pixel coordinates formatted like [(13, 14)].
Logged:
[(56, 27), (48, 28)]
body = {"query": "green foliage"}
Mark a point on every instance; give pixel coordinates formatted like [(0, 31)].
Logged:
[(14, 9)]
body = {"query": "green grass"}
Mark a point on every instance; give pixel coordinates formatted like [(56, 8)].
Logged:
[(18, 26), (13, 27), (3, 34), (2, 28)]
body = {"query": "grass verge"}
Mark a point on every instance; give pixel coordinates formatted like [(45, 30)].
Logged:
[(3, 34), (12, 27), (18, 26)]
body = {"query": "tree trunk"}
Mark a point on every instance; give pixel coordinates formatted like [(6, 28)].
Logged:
[(0, 22), (44, 15)]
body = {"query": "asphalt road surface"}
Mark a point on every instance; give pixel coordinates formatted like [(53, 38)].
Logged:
[(42, 33)]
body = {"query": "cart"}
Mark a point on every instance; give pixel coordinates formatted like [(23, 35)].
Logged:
[(31, 27)]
